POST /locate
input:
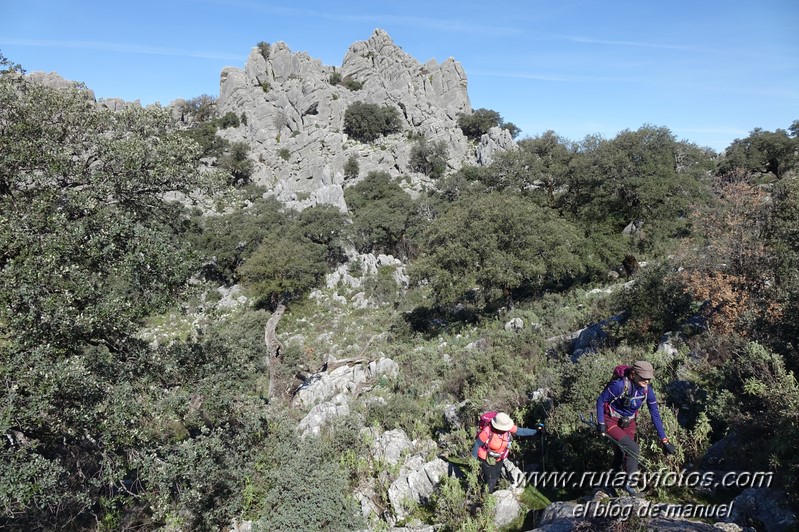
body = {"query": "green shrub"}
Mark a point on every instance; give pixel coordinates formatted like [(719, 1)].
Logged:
[(284, 154), (367, 122), (477, 124), (351, 83), (658, 302), (335, 78), (429, 158), (202, 108), (383, 214), (762, 398), (226, 241), (265, 48), (325, 225), (306, 489), (265, 86), (351, 167), (237, 162), (282, 269), (204, 134), (501, 244), (229, 120)]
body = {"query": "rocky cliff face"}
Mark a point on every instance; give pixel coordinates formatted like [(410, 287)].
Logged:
[(295, 116)]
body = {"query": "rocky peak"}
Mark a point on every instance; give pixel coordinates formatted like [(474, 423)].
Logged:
[(295, 116)]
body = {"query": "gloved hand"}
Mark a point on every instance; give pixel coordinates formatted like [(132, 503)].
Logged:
[(600, 427), (668, 448)]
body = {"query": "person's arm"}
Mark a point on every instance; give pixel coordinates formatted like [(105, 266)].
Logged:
[(609, 393), (523, 432), (481, 439), (654, 412), (476, 447)]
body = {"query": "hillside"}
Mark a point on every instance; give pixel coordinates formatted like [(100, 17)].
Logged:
[(285, 308)]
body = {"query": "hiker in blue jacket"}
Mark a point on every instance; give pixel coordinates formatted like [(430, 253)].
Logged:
[(616, 412)]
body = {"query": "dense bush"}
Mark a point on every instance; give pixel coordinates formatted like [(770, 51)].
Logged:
[(230, 119), (429, 158), (224, 242), (383, 215), (304, 488), (659, 301), (352, 83), (477, 124), (237, 162), (367, 122), (488, 246), (283, 269), (351, 167), (204, 134), (325, 225), (644, 175), (201, 108), (772, 152)]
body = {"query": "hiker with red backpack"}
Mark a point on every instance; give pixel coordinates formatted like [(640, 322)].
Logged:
[(495, 431), (616, 412)]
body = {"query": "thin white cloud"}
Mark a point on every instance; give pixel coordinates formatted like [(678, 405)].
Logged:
[(634, 44), (122, 47)]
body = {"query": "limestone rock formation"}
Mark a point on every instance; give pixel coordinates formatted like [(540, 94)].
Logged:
[(295, 116), (348, 376)]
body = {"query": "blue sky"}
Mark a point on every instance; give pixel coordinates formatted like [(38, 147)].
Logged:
[(710, 71)]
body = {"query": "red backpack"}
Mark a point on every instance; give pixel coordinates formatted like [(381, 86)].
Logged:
[(485, 421), (622, 371)]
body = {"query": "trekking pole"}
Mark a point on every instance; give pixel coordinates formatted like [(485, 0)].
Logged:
[(594, 424), (540, 427)]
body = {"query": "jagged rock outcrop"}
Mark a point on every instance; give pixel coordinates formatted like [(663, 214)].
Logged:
[(365, 266), (295, 116), (415, 483), (323, 414), (348, 376), (55, 81), (390, 446), (495, 141)]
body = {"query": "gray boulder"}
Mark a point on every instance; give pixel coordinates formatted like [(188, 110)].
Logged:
[(415, 483), (507, 507), (594, 337), (391, 446), (516, 324), (765, 509), (497, 140), (323, 414)]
